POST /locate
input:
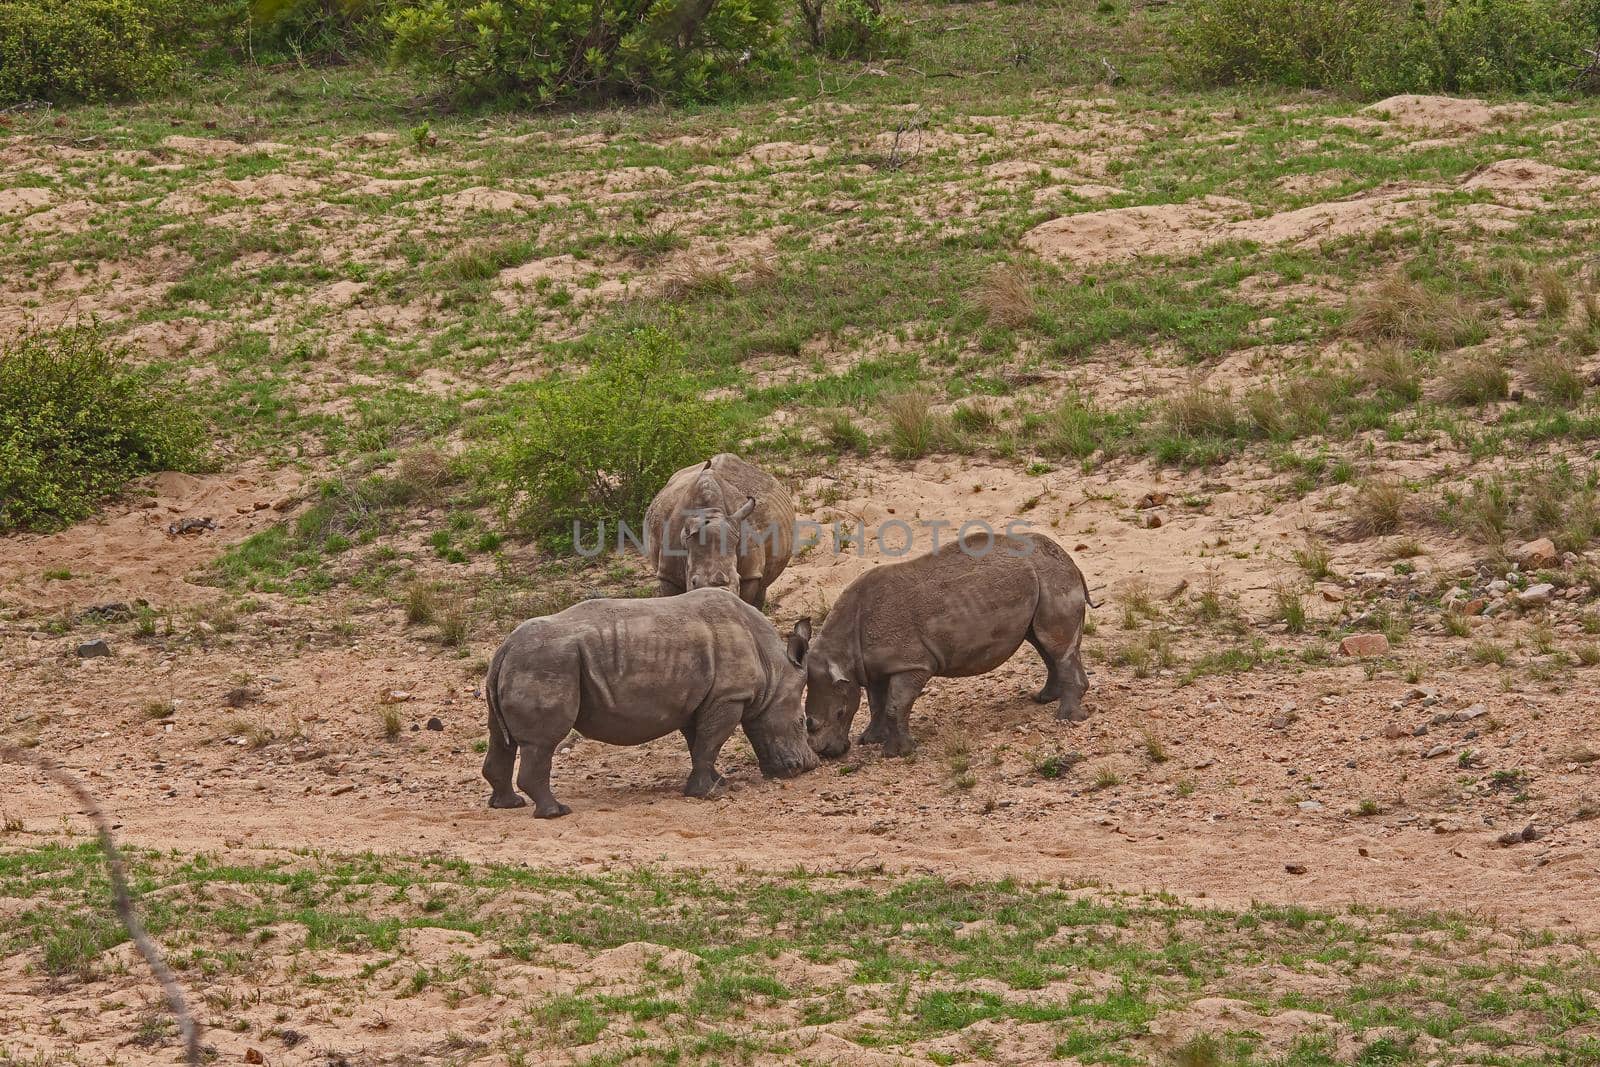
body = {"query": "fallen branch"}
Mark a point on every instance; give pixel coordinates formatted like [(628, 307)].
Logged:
[(187, 1027)]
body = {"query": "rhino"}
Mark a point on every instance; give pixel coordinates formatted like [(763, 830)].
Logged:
[(959, 611), (724, 523), (629, 671)]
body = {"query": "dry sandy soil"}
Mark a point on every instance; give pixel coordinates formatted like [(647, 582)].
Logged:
[(1310, 779)]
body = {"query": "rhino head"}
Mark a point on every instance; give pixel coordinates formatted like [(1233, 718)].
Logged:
[(711, 540), (778, 734), (832, 699)]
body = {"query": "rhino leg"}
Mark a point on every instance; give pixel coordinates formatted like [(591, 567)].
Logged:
[(667, 587), (904, 689), (1057, 633), (877, 731), (534, 780), (706, 735), (1052, 682), (1077, 684), (497, 768)]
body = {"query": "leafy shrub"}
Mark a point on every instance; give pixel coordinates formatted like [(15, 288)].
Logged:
[(597, 447), (327, 31), (76, 50), (76, 423), (852, 29), (1378, 47), (542, 51)]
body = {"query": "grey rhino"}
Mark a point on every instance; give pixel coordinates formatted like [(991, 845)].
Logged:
[(959, 611), (630, 671), (723, 522)]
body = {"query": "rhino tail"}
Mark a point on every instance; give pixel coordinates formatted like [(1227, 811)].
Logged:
[(499, 734)]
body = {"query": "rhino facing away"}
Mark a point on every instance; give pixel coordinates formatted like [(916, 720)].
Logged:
[(629, 671), (723, 523), (960, 611)]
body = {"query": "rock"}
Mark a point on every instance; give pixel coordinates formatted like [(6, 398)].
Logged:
[(1540, 553), (435, 723), (1536, 595), (1331, 595), (1499, 585), (1394, 731), (239, 696), (94, 649), (253, 1055), (1152, 521), (1436, 750), (1517, 837), (1468, 714), (1310, 805), (1364, 645), (1295, 868), (1421, 730), (341, 790), (1474, 606), (1281, 721)]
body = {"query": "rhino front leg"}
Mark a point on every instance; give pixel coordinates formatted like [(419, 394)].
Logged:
[(753, 591), (903, 691), (534, 780), (706, 736), (877, 731)]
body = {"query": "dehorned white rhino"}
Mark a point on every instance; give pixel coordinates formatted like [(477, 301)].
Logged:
[(960, 611), (630, 671), (723, 523)]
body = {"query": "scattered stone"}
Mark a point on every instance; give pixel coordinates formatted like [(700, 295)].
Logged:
[(1311, 805), (1474, 606), (1332, 595), (435, 723), (1499, 585), (1477, 711), (240, 696), (394, 696), (1364, 645), (1295, 868), (1176, 591), (1436, 750), (1517, 837), (1540, 553), (1421, 730), (1394, 732), (1281, 721), (341, 790), (116, 612), (1152, 499), (253, 1055), (190, 527), (94, 649), (1536, 595), (1152, 521)]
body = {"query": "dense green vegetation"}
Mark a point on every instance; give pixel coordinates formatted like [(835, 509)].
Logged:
[(77, 422)]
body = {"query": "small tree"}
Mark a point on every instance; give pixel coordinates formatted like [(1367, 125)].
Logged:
[(598, 447), (76, 423)]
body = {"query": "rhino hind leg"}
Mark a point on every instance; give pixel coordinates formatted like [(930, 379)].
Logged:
[(877, 731), (534, 780), (903, 690), (498, 764), (706, 735), (1052, 682)]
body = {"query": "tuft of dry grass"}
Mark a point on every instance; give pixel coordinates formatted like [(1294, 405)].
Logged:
[(1393, 368), (390, 716), (454, 620), (1199, 411), (422, 474), (1583, 329), (915, 429), (1399, 309), (1554, 295), (1378, 508), (1006, 297), (1556, 377), (1475, 378), (696, 278), (1291, 608), (1315, 559), (421, 603)]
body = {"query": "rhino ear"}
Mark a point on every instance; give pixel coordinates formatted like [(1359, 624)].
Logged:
[(744, 511), (799, 642)]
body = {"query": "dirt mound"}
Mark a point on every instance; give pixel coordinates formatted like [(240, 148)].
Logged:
[(1442, 114)]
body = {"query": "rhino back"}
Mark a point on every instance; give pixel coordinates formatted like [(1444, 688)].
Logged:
[(641, 669), (949, 612)]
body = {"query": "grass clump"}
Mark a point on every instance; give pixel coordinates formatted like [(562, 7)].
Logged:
[(915, 428), (1378, 508), (1556, 378), (77, 423), (1400, 310), (1006, 297), (1475, 378), (596, 447)]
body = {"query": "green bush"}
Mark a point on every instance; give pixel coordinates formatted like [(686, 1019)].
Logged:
[(852, 29), (322, 31), (76, 423), (78, 50), (543, 51), (1379, 47), (599, 446)]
